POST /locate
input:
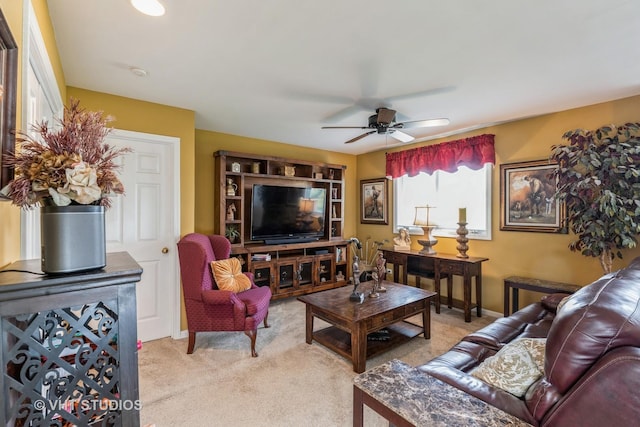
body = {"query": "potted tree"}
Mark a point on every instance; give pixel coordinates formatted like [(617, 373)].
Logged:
[(598, 177)]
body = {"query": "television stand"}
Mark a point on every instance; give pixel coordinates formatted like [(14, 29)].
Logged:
[(286, 240), (290, 264)]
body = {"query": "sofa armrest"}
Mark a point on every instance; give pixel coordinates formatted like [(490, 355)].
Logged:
[(606, 395), (550, 302)]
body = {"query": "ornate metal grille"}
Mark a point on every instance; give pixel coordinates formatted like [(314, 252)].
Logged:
[(62, 367)]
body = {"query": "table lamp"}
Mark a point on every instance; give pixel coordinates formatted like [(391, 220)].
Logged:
[(422, 220)]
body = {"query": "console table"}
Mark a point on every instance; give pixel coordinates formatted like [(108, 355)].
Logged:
[(406, 397), (439, 266), (69, 345)]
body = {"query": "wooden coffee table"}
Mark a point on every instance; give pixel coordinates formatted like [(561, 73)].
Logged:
[(353, 321)]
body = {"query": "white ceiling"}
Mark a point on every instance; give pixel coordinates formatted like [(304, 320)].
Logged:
[(278, 70)]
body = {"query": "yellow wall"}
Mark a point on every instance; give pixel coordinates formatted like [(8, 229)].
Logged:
[(207, 143), (539, 255)]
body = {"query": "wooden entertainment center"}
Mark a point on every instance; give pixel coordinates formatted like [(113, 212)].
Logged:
[(289, 269)]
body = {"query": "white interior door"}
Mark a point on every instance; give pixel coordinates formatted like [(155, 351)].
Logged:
[(145, 223)]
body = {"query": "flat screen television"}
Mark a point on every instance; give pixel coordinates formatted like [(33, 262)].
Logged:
[(281, 214)]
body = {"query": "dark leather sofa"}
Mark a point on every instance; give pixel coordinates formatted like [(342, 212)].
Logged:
[(591, 374)]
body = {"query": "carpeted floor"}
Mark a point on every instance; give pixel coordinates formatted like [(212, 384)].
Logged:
[(291, 383)]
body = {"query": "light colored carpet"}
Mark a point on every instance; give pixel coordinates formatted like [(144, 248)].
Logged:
[(291, 383)]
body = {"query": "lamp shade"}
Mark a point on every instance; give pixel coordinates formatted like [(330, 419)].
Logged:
[(421, 218), (307, 205)]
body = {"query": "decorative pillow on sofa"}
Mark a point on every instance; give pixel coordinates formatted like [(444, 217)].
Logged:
[(515, 367), (229, 276), (535, 347)]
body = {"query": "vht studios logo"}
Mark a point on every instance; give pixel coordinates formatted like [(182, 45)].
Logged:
[(88, 405)]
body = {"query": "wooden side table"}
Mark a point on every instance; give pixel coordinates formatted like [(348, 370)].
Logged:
[(514, 283)]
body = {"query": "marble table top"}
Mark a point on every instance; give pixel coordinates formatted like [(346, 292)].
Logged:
[(426, 401)]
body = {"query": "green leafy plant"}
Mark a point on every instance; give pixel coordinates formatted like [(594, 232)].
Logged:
[(599, 179), (232, 233)]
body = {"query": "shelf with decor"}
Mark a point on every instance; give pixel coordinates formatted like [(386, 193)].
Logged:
[(290, 210), (238, 173)]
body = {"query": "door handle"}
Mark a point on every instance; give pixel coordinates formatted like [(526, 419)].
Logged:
[(165, 250)]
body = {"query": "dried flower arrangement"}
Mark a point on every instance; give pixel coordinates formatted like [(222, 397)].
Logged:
[(66, 165)]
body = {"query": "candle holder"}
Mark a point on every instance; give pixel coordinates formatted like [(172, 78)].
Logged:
[(462, 240)]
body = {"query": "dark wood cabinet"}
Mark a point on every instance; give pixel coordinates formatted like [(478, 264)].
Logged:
[(292, 268), (69, 345), (298, 268)]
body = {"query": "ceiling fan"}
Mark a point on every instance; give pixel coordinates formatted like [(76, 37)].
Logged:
[(383, 122)]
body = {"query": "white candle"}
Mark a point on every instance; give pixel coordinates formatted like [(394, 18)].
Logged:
[(462, 215)]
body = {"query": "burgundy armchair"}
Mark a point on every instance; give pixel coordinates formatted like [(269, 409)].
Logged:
[(209, 308)]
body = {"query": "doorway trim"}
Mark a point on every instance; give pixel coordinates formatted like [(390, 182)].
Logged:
[(174, 143)]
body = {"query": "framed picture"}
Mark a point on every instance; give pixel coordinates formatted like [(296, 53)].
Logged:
[(8, 96), (374, 206), (527, 201)]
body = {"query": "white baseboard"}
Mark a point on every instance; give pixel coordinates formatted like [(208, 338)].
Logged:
[(181, 334)]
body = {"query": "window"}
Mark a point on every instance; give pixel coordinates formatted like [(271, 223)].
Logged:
[(446, 192)]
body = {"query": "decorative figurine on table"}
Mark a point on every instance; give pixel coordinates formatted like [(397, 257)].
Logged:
[(402, 242), (355, 295), (378, 275), (376, 285), (381, 270)]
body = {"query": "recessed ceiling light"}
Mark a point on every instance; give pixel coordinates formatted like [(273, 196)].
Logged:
[(149, 7), (138, 71)]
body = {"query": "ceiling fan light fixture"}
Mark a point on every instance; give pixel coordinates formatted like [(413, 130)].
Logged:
[(149, 7)]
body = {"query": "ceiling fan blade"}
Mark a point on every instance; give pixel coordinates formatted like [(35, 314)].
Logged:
[(344, 127), (419, 94), (401, 136), (422, 123), (385, 115), (344, 113), (360, 137)]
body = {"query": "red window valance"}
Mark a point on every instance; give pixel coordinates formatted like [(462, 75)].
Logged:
[(471, 152)]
